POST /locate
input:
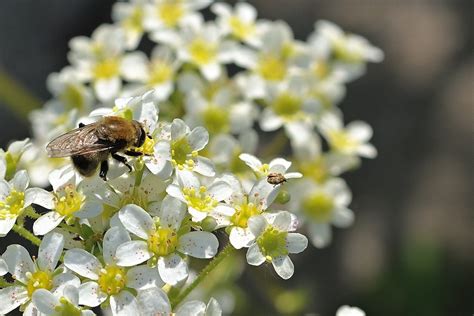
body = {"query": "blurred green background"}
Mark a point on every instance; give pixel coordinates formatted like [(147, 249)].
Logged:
[(411, 250)]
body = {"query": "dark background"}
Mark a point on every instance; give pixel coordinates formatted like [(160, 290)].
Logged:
[(411, 250)]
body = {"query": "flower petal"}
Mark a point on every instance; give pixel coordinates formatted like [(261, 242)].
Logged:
[(296, 243), (20, 181), (283, 266), (89, 209), (172, 269), (50, 250), (198, 244), (143, 277), (240, 237), (46, 223), (187, 179), (213, 308), (132, 253), (320, 235), (178, 129), (113, 238), (83, 263), (172, 212), (91, 295), (12, 297), (191, 308), (153, 301), (342, 217), (251, 161), (136, 220), (45, 301), (204, 166), (40, 197), (3, 267), (220, 190), (254, 255), (257, 225), (124, 304), (19, 262), (198, 138), (6, 225)]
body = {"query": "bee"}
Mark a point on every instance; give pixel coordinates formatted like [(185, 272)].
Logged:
[(92, 144), (276, 178)]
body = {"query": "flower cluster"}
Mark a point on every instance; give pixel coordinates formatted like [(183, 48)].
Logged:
[(124, 244)]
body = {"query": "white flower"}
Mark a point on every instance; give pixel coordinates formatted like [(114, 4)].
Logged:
[(59, 303), (349, 311), (216, 106), (154, 301), (350, 52), (31, 276), (12, 160), (163, 15), (201, 45), (202, 200), (323, 205), (277, 165), (99, 60), (290, 103), (182, 150), (224, 150), (274, 242), (247, 204), (277, 56), (69, 200), (350, 140), (240, 22), (162, 239), (130, 16), (110, 280), (158, 73), (15, 198)]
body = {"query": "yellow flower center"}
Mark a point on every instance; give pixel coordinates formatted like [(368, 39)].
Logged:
[(170, 12), (341, 141), (243, 212), (72, 97), (134, 20), (241, 29), (68, 201), (148, 147), (199, 199), (13, 205), (112, 279), (321, 69), (318, 206), (182, 154), (106, 69), (163, 241), (202, 52), (272, 243), (287, 105), (161, 72), (67, 308), (136, 197), (315, 169), (38, 280), (272, 68), (216, 119)]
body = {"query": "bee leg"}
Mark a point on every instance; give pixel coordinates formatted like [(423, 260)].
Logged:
[(104, 168), (133, 153), (122, 160)]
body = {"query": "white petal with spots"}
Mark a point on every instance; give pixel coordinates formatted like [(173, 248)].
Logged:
[(132, 253), (136, 220), (19, 262), (83, 263), (199, 244), (49, 251), (91, 295), (172, 269)]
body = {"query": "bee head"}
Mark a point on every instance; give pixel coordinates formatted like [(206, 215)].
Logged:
[(141, 134)]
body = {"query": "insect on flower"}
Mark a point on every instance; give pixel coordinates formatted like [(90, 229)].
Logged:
[(276, 178), (90, 145)]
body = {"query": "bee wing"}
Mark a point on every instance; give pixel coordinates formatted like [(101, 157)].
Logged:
[(79, 141)]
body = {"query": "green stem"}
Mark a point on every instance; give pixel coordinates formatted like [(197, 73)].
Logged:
[(140, 168), (71, 229), (204, 273), (23, 232), (30, 212)]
